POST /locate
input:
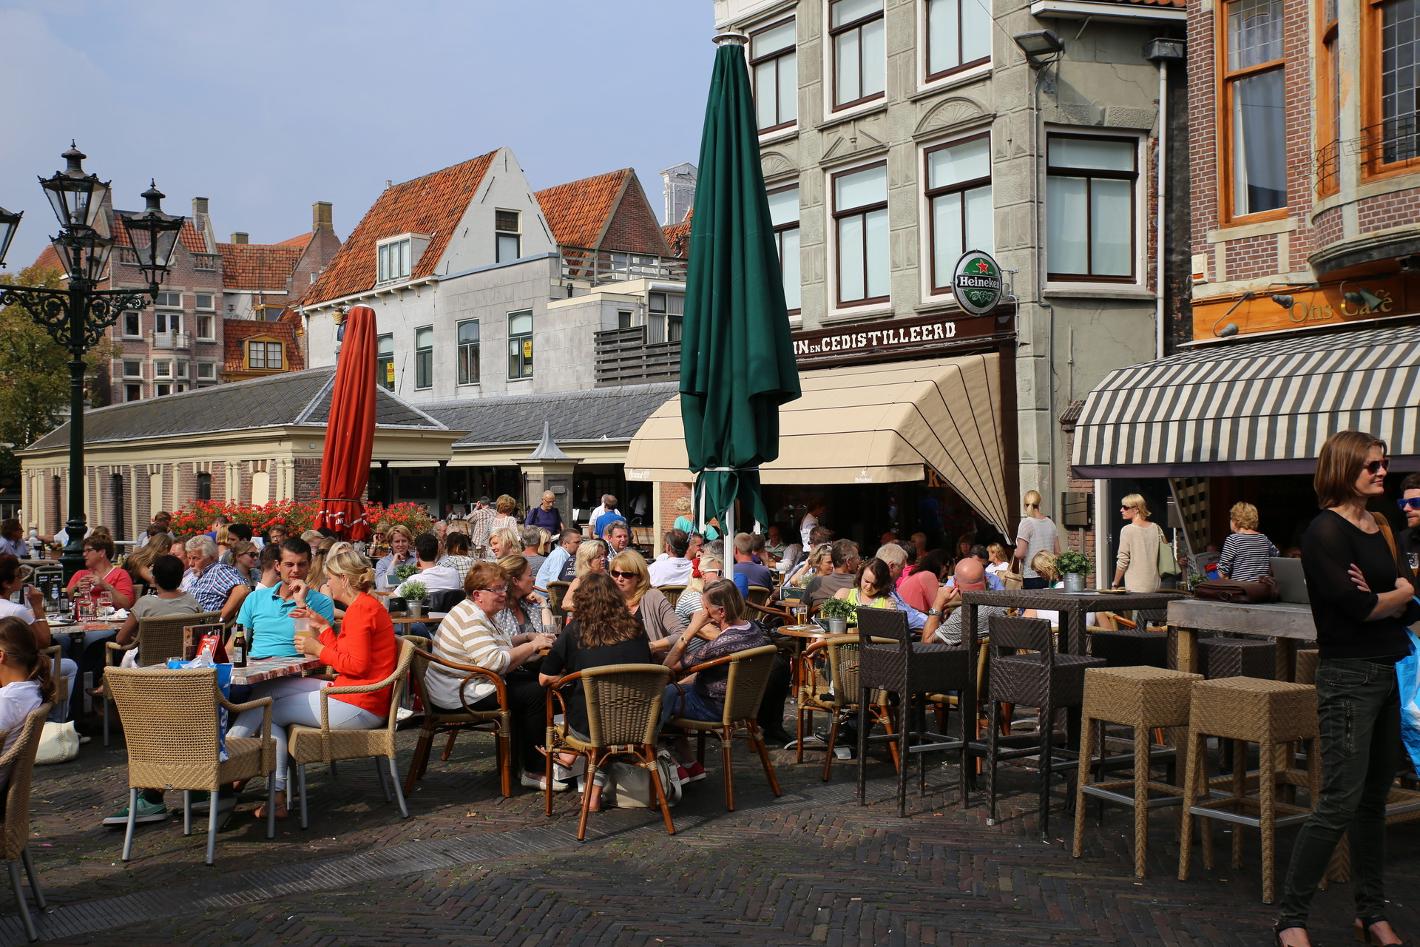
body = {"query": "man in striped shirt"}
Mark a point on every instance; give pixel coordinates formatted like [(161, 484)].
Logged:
[(469, 635)]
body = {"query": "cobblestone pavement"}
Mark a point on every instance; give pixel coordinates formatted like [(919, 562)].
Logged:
[(811, 867)]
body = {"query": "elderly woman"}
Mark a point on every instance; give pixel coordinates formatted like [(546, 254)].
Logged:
[(100, 576), (1246, 552), (470, 635), (591, 557), (685, 524), (401, 553), (524, 611), (506, 517), (652, 609), (365, 652)]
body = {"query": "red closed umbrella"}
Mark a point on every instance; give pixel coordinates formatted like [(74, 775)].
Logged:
[(350, 430)]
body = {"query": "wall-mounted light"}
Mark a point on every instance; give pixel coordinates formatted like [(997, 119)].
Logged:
[(1041, 47), (1363, 297)]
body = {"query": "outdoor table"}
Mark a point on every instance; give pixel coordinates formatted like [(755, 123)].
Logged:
[(268, 669), (1288, 623), (1073, 607), (75, 638), (434, 617)]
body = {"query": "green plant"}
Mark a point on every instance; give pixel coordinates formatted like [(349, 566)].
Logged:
[(838, 608), (413, 590), (1070, 562), (405, 571)]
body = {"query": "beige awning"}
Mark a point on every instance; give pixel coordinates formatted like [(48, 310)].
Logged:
[(870, 424)]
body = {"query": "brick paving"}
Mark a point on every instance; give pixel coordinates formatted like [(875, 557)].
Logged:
[(811, 867)]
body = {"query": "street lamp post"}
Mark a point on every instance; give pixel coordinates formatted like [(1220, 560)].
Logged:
[(77, 315)]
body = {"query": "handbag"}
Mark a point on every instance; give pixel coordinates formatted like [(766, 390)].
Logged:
[(1168, 562), (1258, 591), (58, 743), (629, 786)]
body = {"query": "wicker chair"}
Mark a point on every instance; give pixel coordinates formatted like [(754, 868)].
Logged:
[(324, 745), (556, 591), (498, 722), (20, 758), (759, 595), (837, 695), (158, 639), (1040, 678), (623, 713), (744, 692), (170, 725), (55, 653), (672, 593)]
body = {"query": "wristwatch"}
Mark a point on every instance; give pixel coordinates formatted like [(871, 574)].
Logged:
[(934, 613)]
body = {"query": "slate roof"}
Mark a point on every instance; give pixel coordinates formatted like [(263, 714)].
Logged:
[(289, 399), (430, 205), (578, 211), (611, 414), (259, 266)]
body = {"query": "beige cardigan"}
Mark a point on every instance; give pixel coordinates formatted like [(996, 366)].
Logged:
[(1139, 556)]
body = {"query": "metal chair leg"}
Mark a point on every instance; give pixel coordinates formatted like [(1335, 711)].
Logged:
[(380, 775), (24, 908), (1046, 732), (862, 746), (34, 878), (132, 821), (187, 812), (270, 805), (991, 749), (212, 816), (904, 712), (398, 792), (301, 782)]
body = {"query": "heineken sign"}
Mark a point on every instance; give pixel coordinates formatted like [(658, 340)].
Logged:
[(977, 282)]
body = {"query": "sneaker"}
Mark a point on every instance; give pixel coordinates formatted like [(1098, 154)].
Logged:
[(843, 752), (530, 781), (692, 773), (147, 812), (403, 714)]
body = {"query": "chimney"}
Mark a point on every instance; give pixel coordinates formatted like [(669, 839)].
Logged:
[(199, 207), (322, 216), (240, 237)]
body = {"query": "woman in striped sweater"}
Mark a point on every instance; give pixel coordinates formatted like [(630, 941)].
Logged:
[(1246, 551), (469, 634)]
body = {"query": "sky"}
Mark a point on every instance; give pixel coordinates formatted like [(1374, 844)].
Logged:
[(265, 107)]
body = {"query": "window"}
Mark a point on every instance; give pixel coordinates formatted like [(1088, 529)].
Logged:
[(274, 356), (959, 213), (859, 51), (206, 371), (182, 369), (1089, 207), (775, 68), (520, 345), (206, 327), (624, 318), (163, 389), (860, 220), (1328, 112), (163, 369), (132, 368), (206, 301), (167, 322), (666, 320), (1390, 37), (132, 392), (394, 260), (508, 230), (1254, 137), (468, 352), (256, 355), (132, 325), (168, 300), (784, 215), (384, 362), (958, 36), (424, 357), (204, 486)]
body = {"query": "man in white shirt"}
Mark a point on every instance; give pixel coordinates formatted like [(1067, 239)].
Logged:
[(674, 568), (162, 519), (810, 520), (435, 577)]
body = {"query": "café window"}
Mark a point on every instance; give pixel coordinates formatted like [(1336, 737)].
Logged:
[(520, 345), (959, 212), (1390, 43), (860, 229), (859, 51), (508, 227), (958, 35), (384, 362), (468, 352), (132, 324), (784, 215), (424, 357), (394, 260), (1089, 207), (665, 317), (774, 66), (1254, 130)]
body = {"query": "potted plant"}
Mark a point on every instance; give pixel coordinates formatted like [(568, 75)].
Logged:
[(1074, 566), (413, 591), (403, 572), (836, 612)]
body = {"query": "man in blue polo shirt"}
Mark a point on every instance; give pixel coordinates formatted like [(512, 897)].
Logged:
[(267, 611)]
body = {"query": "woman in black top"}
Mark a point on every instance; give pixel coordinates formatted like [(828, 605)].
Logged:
[(603, 633), (1361, 605)]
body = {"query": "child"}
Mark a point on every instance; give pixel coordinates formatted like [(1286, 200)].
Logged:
[(25, 682)]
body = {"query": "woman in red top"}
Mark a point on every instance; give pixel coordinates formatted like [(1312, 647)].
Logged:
[(100, 575), (364, 652)]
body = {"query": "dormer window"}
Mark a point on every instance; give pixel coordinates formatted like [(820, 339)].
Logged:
[(394, 259), (508, 230), (264, 355)]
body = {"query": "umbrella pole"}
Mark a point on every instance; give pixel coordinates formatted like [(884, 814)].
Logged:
[(729, 538)]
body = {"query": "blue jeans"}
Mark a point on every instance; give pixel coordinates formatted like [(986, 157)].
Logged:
[(689, 703), (1358, 705)]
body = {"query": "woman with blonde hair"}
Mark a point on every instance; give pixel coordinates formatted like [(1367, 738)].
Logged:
[(591, 557), (1246, 552), (1137, 565), (401, 553), (686, 524), (652, 609), (506, 518), (1035, 534), (139, 565), (818, 562), (505, 542)]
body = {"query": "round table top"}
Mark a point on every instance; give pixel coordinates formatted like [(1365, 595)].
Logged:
[(804, 631)]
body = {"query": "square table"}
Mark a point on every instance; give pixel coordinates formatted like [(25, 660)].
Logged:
[(268, 669)]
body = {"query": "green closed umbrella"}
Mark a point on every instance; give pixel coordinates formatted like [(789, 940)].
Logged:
[(736, 358)]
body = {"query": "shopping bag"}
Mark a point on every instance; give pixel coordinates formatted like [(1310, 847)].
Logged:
[(1407, 670), (224, 684)]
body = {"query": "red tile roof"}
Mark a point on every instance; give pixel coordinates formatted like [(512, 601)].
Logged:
[(258, 266), (300, 241), (578, 211), (236, 332), (678, 236), (188, 236), (431, 205), (49, 257)]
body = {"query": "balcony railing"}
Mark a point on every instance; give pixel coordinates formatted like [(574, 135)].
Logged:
[(1394, 143), (607, 266), (171, 340), (624, 357)]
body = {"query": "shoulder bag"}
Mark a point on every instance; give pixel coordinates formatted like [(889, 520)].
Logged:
[(1168, 562), (1261, 590)]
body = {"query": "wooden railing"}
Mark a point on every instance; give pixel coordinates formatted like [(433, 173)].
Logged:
[(580, 264), (624, 357)]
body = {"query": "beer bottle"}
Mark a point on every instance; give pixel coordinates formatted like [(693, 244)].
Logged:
[(239, 647)]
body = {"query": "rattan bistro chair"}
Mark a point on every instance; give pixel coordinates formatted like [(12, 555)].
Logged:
[(556, 592), (835, 695), (623, 713), (158, 639), (499, 722), (20, 759), (324, 745), (170, 725), (672, 593), (744, 692), (759, 595)]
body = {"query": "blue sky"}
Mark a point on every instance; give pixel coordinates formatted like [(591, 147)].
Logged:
[(265, 107)]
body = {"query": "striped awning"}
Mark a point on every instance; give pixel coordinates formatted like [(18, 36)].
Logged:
[(1253, 407)]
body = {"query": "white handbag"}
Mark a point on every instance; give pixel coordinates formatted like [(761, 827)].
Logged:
[(59, 743)]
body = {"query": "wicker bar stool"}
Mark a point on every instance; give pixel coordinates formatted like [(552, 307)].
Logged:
[(1142, 698), (1238, 657), (1130, 648), (1307, 661), (1248, 710)]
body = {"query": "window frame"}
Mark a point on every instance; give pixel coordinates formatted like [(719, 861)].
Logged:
[(211, 368), (253, 347), (158, 364), (275, 356), (132, 391), (1373, 163), (125, 362), (499, 233), (775, 57), (1090, 174), (383, 271), (1226, 79), (928, 76), (930, 194), (834, 32), (423, 360), (211, 334), (518, 339), (461, 362), (1328, 131), (835, 216), (163, 301), (781, 229), (137, 316), (168, 315), (384, 358), (211, 302)]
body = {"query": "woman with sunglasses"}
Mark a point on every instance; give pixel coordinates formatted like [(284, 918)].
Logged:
[(1361, 602), (1409, 503), (1136, 567), (652, 610)]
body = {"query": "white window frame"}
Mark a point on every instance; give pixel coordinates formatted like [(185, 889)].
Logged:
[(168, 315), (960, 75), (211, 371), (790, 127), (1103, 287), (183, 371), (530, 336), (398, 271), (168, 299), (123, 324), (130, 387), (163, 368), (211, 334), (834, 308), (124, 363), (795, 312), (924, 209), (498, 235), (476, 363), (419, 352), (211, 302)]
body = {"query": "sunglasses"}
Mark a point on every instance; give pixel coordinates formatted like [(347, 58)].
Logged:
[(1410, 503), (1376, 466), (616, 574)]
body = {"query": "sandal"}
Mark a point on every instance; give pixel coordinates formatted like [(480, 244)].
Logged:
[(1364, 934)]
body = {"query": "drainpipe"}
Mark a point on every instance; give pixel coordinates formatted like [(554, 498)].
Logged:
[(1161, 52)]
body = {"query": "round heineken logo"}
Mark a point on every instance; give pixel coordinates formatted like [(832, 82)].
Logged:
[(977, 282)]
